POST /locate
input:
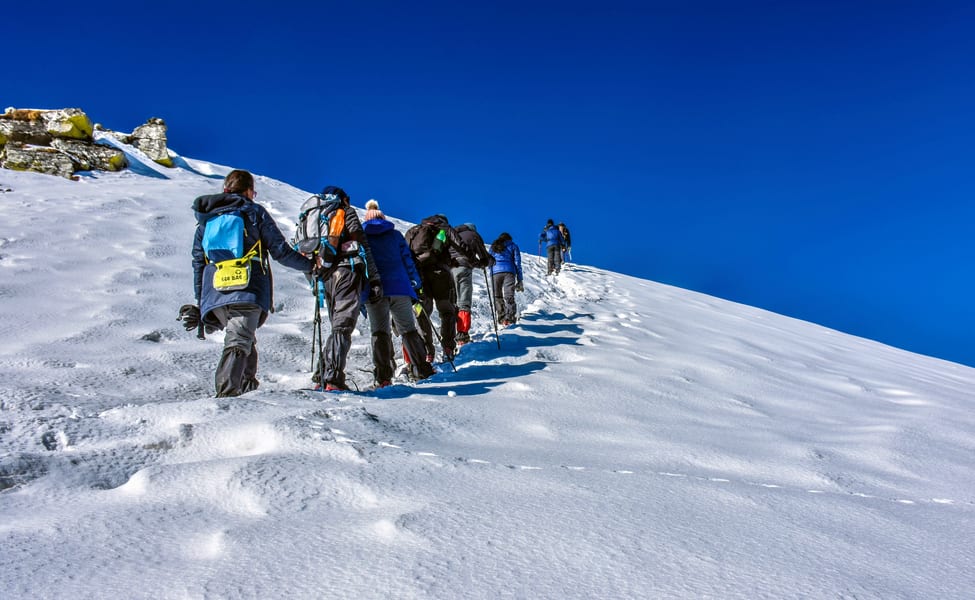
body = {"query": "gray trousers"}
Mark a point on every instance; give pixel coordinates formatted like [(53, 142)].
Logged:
[(554, 260), (400, 309), (464, 278), (237, 370), (504, 296)]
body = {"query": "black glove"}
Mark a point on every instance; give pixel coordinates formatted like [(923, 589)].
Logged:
[(375, 291), (520, 287), (189, 314)]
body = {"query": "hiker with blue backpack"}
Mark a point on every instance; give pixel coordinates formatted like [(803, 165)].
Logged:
[(402, 287), (232, 276), (507, 278), (554, 245)]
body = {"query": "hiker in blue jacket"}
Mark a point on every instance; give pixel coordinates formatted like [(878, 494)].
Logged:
[(401, 286), (506, 278), (238, 312), (554, 245)]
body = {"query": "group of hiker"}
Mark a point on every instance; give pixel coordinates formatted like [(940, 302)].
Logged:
[(355, 267), (558, 245)]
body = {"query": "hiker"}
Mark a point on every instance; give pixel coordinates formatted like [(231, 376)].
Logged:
[(240, 311), (554, 244), (506, 278), (567, 239), (464, 279), (401, 287), (352, 273), (430, 242)]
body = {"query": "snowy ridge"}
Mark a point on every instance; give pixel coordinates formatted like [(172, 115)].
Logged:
[(630, 439)]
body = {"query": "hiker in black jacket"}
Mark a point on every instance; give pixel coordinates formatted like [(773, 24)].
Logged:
[(567, 239), (431, 242), (463, 276), (354, 273)]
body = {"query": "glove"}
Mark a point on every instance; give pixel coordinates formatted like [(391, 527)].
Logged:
[(520, 287), (189, 314), (375, 291), (419, 294)]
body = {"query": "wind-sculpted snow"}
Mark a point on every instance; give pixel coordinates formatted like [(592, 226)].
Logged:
[(629, 439)]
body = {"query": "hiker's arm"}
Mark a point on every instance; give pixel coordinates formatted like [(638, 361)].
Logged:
[(279, 248), (199, 263), (411, 270)]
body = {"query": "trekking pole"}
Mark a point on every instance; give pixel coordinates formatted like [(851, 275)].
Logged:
[(436, 333), (489, 284), (316, 328)]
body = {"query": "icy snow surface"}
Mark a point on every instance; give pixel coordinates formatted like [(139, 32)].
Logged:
[(629, 439)]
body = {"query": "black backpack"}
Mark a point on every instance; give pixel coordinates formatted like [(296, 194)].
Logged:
[(427, 243)]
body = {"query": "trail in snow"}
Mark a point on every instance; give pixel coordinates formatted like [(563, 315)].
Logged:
[(629, 439)]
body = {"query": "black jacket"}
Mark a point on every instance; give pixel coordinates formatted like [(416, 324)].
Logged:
[(475, 244)]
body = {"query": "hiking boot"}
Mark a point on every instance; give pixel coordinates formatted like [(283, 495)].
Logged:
[(462, 337), (336, 387), (430, 358), (383, 384), (449, 354)]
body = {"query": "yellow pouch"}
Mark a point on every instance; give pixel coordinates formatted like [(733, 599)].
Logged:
[(234, 274)]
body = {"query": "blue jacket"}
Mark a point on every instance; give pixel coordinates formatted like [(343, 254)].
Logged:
[(551, 236), (508, 260), (393, 259), (258, 225)]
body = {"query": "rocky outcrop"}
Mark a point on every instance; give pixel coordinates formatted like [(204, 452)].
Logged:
[(60, 142), (41, 126), (149, 138), (41, 159)]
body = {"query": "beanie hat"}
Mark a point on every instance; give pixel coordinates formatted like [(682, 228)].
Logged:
[(471, 227), (336, 190), (373, 212)]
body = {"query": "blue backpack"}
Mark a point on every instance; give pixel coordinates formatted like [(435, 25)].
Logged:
[(223, 244)]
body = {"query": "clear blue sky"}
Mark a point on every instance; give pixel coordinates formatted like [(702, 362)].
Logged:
[(812, 158)]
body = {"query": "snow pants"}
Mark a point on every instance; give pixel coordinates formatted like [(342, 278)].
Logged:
[(237, 370), (504, 297), (343, 291), (439, 289), (554, 259), (464, 278), (400, 310)]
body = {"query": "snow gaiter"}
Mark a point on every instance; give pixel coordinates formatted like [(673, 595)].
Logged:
[(229, 378), (463, 321)]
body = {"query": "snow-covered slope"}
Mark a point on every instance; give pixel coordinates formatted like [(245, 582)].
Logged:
[(629, 439)]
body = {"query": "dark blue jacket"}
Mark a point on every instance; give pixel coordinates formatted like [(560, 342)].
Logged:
[(552, 237), (508, 260), (258, 225), (393, 259)]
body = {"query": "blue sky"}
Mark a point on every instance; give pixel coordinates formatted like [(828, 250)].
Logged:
[(811, 158)]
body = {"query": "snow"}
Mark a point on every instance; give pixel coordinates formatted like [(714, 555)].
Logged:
[(629, 439)]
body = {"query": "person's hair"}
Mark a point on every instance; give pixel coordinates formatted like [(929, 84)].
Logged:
[(498, 244), (238, 181)]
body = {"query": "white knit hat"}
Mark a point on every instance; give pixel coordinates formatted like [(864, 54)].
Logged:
[(372, 211)]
